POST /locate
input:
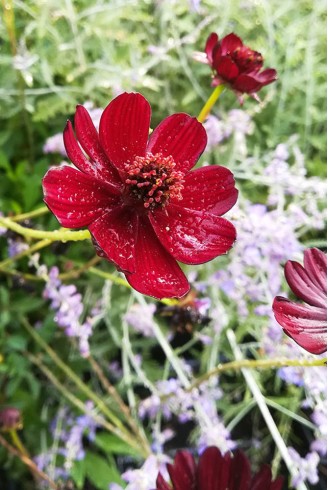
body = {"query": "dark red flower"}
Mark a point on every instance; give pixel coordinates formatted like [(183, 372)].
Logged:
[(216, 472), (143, 207), (306, 324), (10, 419), (236, 65)]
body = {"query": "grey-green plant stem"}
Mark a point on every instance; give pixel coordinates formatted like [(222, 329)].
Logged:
[(76, 380), (258, 396)]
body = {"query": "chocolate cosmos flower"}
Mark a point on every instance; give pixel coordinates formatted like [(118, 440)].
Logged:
[(306, 324), (216, 472), (143, 207), (236, 65)]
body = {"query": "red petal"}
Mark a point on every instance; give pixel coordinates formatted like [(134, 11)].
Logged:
[(183, 471), (210, 189), (210, 43), (247, 84), (262, 479), (240, 472), (213, 470), (302, 285), (277, 484), (266, 76), (124, 129), (192, 237), (74, 152), (161, 483), (157, 273), (315, 264), (115, 234), (87, 136), (226, 68), (307, 325), (182, 137), (230, 42), (76, 199)]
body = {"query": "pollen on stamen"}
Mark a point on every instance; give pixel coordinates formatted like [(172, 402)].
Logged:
[(153, 180)]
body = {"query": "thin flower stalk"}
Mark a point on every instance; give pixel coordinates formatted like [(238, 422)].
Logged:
[(111, 390), (31, 214), (257, 364), (28, 462), (76, 380), (258, 396), (129, 439), (210, 103), (58, 235)]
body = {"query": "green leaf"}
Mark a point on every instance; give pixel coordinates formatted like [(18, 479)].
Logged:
[(78, 473), (111, 444), (100, 472)]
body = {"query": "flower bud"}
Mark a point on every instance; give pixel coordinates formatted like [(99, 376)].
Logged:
[(10, 419)]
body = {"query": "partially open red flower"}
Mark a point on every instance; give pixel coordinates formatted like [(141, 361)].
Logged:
[(216, 472), (306, 324), (236, 65), (143, 207)]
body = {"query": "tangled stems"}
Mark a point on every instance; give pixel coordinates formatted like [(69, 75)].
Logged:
[(210, 103), (116, 424), (29, 463)]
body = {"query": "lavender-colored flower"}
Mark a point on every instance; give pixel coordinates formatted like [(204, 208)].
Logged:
[(307, 468), (140, 318), (319, 418), (145, 477), (16, 247), (265, 238), (70, 437), (67, 303), (239, 122), (177, 401), (216, 130), (55, 144), (215, 434)]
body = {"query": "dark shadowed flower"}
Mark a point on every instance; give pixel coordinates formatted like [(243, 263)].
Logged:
[(216, 472), (306, 323), (10, 419), (236, 65), (143, 206)]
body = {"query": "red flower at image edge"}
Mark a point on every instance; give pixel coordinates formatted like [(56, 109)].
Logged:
[(306, 324), (236, 65), (216, 472), (143, 207)]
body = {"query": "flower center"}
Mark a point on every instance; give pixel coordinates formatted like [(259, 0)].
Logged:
[(246, 58), (153, 180)]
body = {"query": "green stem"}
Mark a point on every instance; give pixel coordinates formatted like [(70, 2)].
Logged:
[(257, 364), (30, 214), (74, 378), (17, 442), (210, 103), (80, 405), (122, 282), (260, 400), (63, 236), (111, 390), (28, 251), (29, 463)]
